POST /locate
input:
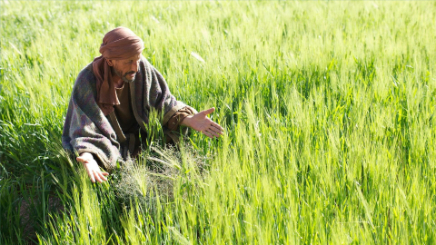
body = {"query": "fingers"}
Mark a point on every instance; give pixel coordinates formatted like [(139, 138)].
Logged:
[(206, 125), (88, 167), (216, 125), (91, 175), (217, 130), (94, 171), (213, 132), (208, 111), (206, 132), (97, 175), (101, 177)]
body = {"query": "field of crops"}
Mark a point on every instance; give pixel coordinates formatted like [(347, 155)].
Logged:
[(328, 110)]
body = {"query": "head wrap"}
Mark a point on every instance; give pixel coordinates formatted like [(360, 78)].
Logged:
[(118, 44)]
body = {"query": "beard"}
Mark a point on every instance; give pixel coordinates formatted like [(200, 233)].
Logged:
[(124, 76)]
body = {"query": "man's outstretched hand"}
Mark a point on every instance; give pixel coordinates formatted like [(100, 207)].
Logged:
[(92, 167), (202, 123)]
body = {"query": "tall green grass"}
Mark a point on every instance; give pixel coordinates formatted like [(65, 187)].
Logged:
[(328, 108)]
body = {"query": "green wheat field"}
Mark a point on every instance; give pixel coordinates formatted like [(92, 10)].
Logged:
[(328, 109)]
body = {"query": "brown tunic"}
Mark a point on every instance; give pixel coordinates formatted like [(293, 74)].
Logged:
[(128, 124), (124, 111)]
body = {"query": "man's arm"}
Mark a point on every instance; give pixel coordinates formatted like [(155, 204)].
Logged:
[(203, 124), (87, 132)]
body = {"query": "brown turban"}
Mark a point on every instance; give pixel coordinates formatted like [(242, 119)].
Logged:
[(118, 44)]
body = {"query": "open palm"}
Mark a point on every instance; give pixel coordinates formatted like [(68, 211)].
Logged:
[(204, 124)]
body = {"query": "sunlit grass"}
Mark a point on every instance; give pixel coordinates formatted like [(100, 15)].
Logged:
[(328, 108)]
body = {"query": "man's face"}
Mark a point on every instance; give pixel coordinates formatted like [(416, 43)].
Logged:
[(126, 69)]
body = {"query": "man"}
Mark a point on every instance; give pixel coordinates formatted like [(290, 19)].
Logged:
[(111, 102)]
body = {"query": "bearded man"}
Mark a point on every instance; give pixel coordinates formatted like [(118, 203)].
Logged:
[(111, 102)]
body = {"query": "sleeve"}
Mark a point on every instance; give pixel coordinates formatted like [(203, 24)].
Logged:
[(177, 118), (86, 129)]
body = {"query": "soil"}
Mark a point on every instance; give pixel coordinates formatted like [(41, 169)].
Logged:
[(29, 223)]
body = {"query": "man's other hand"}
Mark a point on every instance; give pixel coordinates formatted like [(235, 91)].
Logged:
[(202, 123), (92, 167)]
